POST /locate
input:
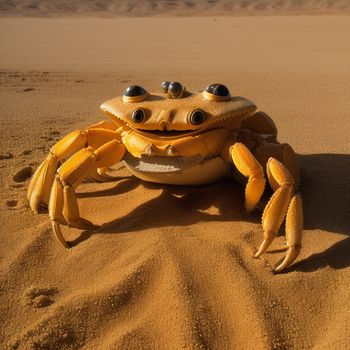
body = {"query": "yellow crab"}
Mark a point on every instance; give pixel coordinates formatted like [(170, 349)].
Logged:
[(177, 137)]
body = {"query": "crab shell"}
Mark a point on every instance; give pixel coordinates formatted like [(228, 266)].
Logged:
[(166, 147)]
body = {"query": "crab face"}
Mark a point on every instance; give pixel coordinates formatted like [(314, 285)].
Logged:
[(176, 113)]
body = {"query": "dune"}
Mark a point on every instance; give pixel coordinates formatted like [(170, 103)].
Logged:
[(172, 267), (137, 8)]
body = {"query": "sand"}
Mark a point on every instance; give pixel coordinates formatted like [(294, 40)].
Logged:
[(165, 8), (172, 267)]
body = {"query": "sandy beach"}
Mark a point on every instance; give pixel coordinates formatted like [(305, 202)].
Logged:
[(172, 267)]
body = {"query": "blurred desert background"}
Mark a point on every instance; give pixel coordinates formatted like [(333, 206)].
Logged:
[(172, 267)]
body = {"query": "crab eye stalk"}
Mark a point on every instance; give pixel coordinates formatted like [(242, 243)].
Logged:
[(197, 117), (134, 93), (217, 92), (138, 116)]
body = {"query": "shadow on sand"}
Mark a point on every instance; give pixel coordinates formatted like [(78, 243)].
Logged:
[(325, 191), (326, 195)]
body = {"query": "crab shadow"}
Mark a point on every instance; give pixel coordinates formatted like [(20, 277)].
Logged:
[(326, 197), (176, 205), (325, 191)]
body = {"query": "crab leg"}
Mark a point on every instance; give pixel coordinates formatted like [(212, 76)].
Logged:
[(294, 229), (55, 209), (41, 182), (248, 166), (273, 216), (73, 171), (282, 201), (282, 152)]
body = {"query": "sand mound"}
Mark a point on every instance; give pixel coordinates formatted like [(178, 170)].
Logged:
[(53, 8)]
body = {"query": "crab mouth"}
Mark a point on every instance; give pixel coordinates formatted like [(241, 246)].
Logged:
[(167, 133), (154, 164)]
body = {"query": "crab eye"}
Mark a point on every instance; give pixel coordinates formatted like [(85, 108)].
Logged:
[(165, 86), (134, 93), (138, 116), (217, 92), (134, 90), (175, 90), (197, 117)]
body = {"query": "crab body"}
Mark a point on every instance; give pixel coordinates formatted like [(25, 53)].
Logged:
[(182, 138)]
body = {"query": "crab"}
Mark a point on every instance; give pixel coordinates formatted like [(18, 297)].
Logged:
[(180, 138)]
